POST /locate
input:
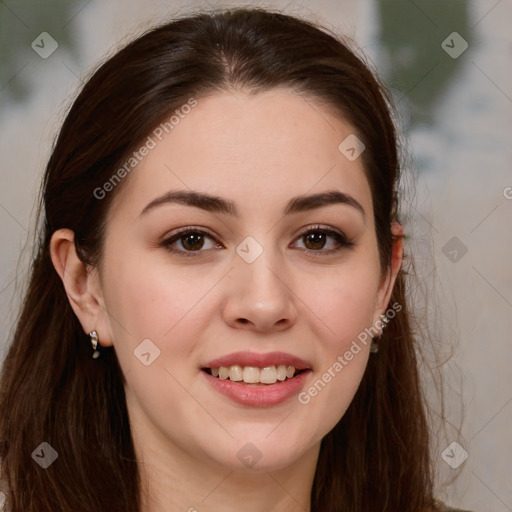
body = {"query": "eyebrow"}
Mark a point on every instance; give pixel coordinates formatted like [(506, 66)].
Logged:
[(212, 203)]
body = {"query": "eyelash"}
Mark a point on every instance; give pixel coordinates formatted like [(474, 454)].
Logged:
[(342, 241)]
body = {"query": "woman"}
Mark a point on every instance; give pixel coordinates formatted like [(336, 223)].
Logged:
[(216, 317)]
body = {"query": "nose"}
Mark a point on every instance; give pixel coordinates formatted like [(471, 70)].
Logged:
[(260, 296)]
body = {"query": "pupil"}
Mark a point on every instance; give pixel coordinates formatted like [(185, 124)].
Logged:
[(192, 241), (316, 240)]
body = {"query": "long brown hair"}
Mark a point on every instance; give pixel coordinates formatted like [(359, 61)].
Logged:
[(376, 459)]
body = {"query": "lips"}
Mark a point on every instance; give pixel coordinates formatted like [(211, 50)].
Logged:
[(258, 360), (254, 393)]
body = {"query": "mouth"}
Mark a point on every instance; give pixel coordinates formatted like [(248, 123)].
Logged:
[(257, 379), (253, 375)]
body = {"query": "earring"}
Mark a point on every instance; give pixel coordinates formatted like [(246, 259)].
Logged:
[(94, 342), (374, 347)]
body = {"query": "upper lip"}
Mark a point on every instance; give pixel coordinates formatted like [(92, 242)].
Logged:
[(259, 360)]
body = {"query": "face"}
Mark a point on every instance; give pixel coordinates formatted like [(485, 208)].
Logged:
[(245, 270)]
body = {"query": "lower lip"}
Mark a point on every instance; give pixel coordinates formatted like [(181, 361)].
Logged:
[(259, 395)]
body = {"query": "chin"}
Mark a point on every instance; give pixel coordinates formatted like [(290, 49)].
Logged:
[(264, 452)]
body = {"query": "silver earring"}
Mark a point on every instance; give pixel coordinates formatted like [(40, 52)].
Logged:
[(94, 342), (374, 347)]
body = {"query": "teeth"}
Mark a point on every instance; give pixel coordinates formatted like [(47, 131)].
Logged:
[(254, 375), (268, 375), (236, 373), (251, 375), (281, 372)]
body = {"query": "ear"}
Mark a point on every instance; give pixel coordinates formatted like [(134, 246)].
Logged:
[(389, 277), (82, 285)]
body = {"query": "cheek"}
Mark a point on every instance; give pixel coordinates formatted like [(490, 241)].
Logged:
[(167, 306), (345, 311), (344, 301), (152, 299)]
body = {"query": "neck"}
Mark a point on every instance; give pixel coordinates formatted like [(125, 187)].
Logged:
[(205, 488), (175, 479)]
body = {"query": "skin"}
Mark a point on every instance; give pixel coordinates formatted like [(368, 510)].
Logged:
[(258, 151)]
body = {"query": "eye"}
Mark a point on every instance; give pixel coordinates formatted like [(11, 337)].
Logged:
[(323, 240), (192, 241), (189, 241)]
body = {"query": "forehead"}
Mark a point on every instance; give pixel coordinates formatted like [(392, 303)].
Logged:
[(254, 148)]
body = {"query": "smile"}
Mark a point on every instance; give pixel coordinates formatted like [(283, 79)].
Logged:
[(255, 379), (253, 374)]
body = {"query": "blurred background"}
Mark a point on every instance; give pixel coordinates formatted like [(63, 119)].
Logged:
[(448, 66)]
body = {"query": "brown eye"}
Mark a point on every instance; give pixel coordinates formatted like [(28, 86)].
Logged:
[(315, 240), (323, 241), (192, 241)]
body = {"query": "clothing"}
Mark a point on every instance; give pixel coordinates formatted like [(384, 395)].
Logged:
[(441, 507)]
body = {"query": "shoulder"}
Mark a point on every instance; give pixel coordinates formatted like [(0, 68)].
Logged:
[(442, 507), (3, 492), (3, 499)]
